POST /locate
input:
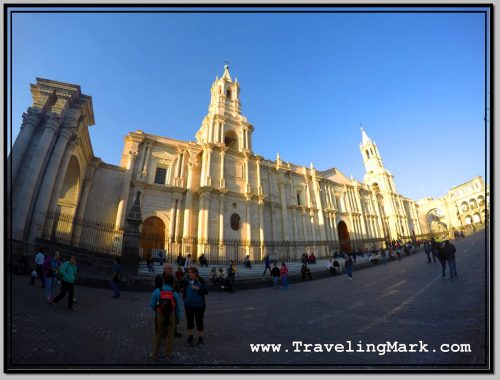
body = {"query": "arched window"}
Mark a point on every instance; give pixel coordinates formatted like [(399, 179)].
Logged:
[(228, 94), (235, 222), (367, 154), (231, 140)]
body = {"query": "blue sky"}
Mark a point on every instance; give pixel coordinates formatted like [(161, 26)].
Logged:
[(415, 81)]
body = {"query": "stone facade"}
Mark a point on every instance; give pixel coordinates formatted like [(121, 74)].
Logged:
[(463, 207), (194, 193)]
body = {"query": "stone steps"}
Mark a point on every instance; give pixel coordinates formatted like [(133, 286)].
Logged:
[(255, 272)]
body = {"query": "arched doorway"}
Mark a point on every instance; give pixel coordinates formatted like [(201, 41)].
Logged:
[(436, 220), (152, 235), (344, 240)]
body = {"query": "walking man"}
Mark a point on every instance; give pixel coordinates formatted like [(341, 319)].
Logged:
[(267, 264), (427, 250), (442, 260), (449, 253), (68, 276), (348, 266), (39, 261)]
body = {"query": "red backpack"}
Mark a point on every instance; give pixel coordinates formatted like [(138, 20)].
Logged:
[(166, 303)]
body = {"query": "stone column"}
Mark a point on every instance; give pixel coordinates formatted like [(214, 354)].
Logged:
[(260, 190), (201, 209), (141, 163), (171, 226), (222, 182), (206, 217), (56, 164), (319, 206), (145, 169), (120, 214), (31, 119), (189, 202), (23, 198), (284, 211), (221, 217), (363, 223), (208, 181), (247, 183), (82, 203), (261, 227), (178, 216), (248, 224), (304, 231)]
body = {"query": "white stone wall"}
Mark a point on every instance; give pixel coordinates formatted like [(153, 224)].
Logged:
[(104, 194)]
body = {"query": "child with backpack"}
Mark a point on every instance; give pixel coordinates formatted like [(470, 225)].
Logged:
[(166, 304)]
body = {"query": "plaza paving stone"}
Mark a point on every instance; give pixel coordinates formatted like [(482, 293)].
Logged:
[(404, 301)]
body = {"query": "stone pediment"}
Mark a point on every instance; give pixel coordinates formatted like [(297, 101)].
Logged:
[(164, 157)]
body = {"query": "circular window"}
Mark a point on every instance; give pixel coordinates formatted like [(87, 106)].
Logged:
[(235, 222)]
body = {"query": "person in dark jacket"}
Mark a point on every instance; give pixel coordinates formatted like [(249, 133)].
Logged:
[(306, 271), (434, 249), (449, 253), (275, 273), (442, 259), (348, 266), (195, 305)]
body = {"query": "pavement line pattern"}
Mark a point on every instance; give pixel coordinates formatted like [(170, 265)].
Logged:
[(396, 310)]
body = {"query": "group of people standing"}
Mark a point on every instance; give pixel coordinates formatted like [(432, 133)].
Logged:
[(166, 301), (52, 271), (444, 253)]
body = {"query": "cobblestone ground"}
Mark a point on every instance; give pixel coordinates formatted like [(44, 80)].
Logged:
[(404, 301)]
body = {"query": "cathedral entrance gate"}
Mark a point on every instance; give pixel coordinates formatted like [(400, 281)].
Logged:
[(344, 240), (152, 236)]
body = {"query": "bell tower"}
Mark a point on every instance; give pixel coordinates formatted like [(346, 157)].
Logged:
[(376, 174), (224, 124)]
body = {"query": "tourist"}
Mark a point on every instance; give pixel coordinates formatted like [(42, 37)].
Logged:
[(160, 258), (442, 259), (231, 274), (336, 266), (149, 263), (312, 259), (203, 260), (284, 276), (212, 278), (116, 278), (267, 265), (348, 266), (247, 263), (428, 250), (306, 271), (329, 266), (195, 305), (178, 278), (187, 263), (354, 254), (180, 260), (275, 273), (166, 304), (304, 258), (383, 255), (398, 251), (434, 249), (449, 253), (68, 274), (39, 261), (50, 269)]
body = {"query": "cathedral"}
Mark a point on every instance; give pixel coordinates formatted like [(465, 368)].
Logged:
[(204, 196)]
